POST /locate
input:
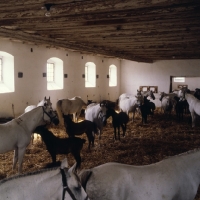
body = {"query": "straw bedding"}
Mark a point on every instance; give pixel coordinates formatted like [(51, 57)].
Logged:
[(162, 137)]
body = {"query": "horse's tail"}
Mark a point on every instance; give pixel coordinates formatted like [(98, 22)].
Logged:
[(59, 111)]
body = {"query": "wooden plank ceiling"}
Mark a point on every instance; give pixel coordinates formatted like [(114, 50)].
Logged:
[(138, 30)]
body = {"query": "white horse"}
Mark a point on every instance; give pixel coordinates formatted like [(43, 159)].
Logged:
[(174, 178), (45, 184), (96, 113), (194, 104), (16, 134), (45, 101), (70, 106), (130, 104)]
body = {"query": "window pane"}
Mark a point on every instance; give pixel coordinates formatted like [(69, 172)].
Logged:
[(50, 72), (90, 74), (112, 75)]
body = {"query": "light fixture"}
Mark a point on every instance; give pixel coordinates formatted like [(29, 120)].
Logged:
[(47, 6)]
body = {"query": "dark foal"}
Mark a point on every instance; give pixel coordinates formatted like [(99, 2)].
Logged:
[(80, 128), (57, 145), (118, 119), (147, 108)]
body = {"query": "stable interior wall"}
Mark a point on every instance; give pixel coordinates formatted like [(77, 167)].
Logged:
[(32, 87), (134, 75), (31, 60)]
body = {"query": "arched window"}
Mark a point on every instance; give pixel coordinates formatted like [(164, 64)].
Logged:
[(112, 75), (90, 74), (54, 74), (6, 72)]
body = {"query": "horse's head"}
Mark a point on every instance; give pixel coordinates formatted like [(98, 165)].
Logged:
[(139, 92), (50, 115), (45, 102), (162, 94), (151, 94), (102, 113), (139, 100), (109, 112), (71, 182), (182, 94)]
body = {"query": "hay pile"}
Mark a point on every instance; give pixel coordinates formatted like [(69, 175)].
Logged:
[(162, 137)]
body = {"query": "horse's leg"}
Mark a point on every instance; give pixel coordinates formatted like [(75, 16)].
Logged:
[(15, 158), (77, 115), (77, 157), (193, 118), (74, 117), (21, 152), (53, 156), (123, 129), (115, 132), (92, 139), (89, 140), (133, 115), (118, 131)]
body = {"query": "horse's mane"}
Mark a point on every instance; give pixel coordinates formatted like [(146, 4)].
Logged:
[(184, 153), (27, 174), (192, 96)]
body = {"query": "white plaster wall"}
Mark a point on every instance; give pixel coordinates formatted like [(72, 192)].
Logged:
[(134, 74), (32, 88)]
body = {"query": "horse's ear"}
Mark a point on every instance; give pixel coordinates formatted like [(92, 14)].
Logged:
[(45, 98), (73, 168), (49, 97), (64, 164)]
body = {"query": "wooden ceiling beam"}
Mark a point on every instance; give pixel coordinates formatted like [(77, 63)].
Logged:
[(24, 8), (67, 45), (113, 17)]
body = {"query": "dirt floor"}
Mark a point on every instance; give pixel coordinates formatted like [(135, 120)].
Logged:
[(162, 137)]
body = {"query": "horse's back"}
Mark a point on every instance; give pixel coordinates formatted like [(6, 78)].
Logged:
[(124, 118), (126, 182), (91, 111), (127, 104), (148, 182)]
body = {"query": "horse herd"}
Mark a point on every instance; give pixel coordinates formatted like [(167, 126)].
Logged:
[(176, 177)]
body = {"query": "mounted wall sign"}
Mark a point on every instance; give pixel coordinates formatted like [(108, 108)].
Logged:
[(149, 88)]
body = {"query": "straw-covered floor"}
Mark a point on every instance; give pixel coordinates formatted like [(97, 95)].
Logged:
[(162, 137)]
